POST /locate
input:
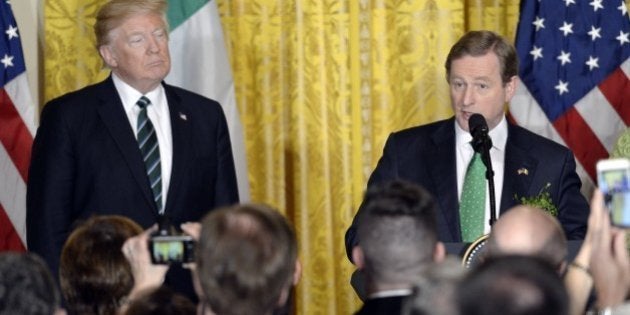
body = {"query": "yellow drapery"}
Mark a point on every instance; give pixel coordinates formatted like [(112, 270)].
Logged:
[(319, 85)]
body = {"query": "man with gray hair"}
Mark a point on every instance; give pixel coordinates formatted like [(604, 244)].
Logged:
[(398, 239)]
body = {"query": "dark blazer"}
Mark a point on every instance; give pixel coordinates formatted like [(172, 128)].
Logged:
[(382, 306), (426, 155), (86, 161)]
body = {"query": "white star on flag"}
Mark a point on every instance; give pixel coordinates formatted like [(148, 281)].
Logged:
[(567, 28), (568, 2), (7, 61), (565, 57), (592, 63), (623, 38), (596, 4), (12, 31), (536, 52), (594, 32), (539, 23), (562, 87)]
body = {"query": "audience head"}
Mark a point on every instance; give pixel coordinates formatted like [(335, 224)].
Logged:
[(525, 230), (161, 301), (246, 260), (435, 292), (513, 285), (397, 235), (27, 286), (95, 276)]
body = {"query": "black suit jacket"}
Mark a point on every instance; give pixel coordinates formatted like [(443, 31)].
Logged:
[(425, 155), (391, 305), (86, 161)]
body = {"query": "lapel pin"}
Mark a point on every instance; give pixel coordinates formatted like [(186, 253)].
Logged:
[(183, 116), (522, 171)]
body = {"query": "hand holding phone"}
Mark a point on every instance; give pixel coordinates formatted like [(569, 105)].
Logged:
[(613, 179)]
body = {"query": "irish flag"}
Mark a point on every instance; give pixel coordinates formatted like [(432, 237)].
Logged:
[(199, 63)]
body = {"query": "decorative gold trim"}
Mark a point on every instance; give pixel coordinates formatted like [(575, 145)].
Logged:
[(472, 249)]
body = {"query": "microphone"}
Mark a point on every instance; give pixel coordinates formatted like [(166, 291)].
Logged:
[(482, 143), (479, 131)]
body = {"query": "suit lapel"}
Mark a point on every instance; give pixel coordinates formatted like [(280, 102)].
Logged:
[(444, 174), (519, 170), (115, 119), (181, 132)]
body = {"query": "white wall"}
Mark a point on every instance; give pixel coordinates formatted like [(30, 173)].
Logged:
[(28, 20)]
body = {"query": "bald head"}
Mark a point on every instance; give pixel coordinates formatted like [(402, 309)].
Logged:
[(527, 230)]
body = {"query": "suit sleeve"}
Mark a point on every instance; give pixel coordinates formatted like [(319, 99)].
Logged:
[(573, 208), (226, 187), (50, 188), (386, 169)]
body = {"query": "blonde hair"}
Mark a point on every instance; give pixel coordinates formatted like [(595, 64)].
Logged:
[(115, 12)]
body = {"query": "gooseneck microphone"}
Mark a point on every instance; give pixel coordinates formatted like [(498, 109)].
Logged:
[(482, 144)]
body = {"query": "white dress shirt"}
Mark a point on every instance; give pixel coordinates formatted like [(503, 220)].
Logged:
[(160, 117), (465, 152)]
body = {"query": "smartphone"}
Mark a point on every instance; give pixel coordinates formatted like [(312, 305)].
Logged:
[(169, 249), (613, 179)]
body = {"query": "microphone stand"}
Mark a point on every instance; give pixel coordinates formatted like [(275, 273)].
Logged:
[(483, 146)]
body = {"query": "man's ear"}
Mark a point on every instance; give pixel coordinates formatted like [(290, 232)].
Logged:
[(510, 88), (297, 273), (357, 257), (108, 56), (439, 252)]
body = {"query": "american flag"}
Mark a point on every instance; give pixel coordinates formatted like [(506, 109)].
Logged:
[(17, 127), (574, 75)]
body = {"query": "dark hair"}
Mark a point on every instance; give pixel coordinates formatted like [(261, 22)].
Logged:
[(161, 301), (26, 285), (397, 231), (513, 285), (478, 43), (245, 259), (95, 276)]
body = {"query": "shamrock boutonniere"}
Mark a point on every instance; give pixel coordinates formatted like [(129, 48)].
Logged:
[(542, 200)]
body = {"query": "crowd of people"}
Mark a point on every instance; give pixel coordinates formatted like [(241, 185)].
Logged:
[(120, 162)]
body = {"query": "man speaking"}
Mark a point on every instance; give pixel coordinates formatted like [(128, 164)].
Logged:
[(481, 70)]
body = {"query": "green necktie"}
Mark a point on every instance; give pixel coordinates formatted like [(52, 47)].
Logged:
[(147, 140), (473, 200)]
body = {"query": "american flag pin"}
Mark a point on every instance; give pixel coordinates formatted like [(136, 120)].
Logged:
[(522, 171), (183, 116)]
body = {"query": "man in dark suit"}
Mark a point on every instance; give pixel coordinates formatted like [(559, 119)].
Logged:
[(398, 242), (482, 70), (87, 158)]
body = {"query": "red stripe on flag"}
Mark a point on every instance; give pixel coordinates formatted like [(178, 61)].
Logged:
[(14, 135), (580, 138), (615, 88), (9, 238)]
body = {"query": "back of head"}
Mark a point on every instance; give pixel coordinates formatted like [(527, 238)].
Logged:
[(95, 276), (526, 230), (512, 285), (246, 257), (435, 292), (115, 12), (161, 301), (397, 232), (479, 43), (26, 285)]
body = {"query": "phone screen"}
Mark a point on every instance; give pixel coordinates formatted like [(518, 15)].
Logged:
[(615, 184)]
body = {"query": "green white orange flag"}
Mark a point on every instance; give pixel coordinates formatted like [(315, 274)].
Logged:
[(199, 63)]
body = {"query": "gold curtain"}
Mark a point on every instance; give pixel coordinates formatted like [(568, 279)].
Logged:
[(319, 85)]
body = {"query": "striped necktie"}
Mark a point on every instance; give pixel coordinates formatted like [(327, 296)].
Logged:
[(473, 200), (149, 147)]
